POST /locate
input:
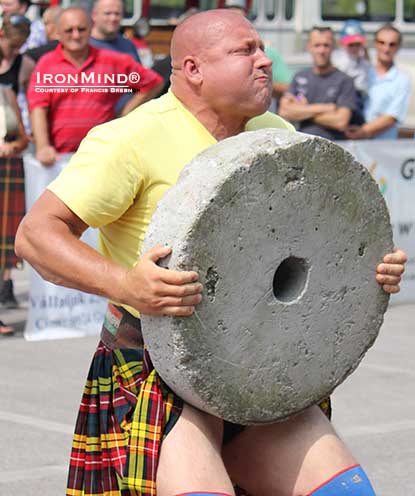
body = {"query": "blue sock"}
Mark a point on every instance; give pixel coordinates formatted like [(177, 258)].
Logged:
[(350, 482)]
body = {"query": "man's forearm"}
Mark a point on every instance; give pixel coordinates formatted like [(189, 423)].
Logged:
[(302, 112), (337, 119), (40, 127), (60, 257), (378, 125)]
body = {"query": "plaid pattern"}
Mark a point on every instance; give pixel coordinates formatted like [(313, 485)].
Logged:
[(125, 412), (12, 208)]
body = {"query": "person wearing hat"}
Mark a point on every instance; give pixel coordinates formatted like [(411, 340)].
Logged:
[(389, 90), (353, 59)]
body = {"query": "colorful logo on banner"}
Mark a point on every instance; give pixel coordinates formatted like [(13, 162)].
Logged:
[(381, 180)]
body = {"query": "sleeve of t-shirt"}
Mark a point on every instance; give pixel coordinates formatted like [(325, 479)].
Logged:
[(347, 95), (102, 179), (397, 106), (280, 71), (35, 97), (139, 77)]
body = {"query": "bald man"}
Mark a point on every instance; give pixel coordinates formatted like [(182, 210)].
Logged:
[(63, 111), (133, 435)]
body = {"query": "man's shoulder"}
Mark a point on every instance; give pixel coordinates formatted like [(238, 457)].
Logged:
[(48, 58), (139, 122), (111, 56), (304, 73)]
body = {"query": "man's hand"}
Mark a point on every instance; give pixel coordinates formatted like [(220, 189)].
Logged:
[(6, 150), (47, 155), (388, 273), (355, 133), (154, 290)]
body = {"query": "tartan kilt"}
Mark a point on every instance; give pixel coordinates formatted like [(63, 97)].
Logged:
[(12, 207), (125, 411)]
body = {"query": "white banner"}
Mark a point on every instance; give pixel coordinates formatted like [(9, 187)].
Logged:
[(56, 312), (392, 164)]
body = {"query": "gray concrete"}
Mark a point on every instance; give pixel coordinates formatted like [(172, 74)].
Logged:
[(285, 232), (41, 384)]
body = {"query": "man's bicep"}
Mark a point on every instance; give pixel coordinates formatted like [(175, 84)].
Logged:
[(49, 210)]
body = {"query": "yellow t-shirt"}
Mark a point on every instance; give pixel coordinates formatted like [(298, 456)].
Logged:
[(123, 167)]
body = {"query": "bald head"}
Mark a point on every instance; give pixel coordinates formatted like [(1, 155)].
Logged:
[(74, 29), (107, 16), (220, 71), (199, 32)]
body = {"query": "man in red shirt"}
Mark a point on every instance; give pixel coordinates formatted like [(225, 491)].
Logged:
[(76, 86)]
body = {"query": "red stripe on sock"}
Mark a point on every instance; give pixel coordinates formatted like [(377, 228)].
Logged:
[(331, 478)]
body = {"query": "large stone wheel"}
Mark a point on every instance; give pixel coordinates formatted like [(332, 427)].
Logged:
[(285, 231)]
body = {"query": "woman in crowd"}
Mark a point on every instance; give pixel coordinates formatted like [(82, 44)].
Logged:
[(13, 34), (13, 141)]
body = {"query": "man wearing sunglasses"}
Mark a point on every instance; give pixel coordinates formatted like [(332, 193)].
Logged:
[(389, 90)]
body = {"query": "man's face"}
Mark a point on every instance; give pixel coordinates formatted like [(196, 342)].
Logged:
[(237, 75), (12, 6), (387, 44), (107, 17), (74, 30), (320, 45), (354, 49)]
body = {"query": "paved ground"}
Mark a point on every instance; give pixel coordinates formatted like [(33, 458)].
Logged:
[(42, 382)]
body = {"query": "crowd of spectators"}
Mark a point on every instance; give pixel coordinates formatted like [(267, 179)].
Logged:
[(63, 105), (342, 96)]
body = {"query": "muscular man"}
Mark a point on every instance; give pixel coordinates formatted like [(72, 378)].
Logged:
[(322, 99), (133, 435)]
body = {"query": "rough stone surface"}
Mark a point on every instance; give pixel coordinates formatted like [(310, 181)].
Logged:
[(285, 231)]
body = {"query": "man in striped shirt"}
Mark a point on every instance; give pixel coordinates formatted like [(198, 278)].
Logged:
[(76, 86)]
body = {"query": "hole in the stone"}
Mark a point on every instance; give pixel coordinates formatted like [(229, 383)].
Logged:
[(362, 249), (290, 279)]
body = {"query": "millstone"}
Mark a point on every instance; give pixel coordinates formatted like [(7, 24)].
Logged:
[(285, 231)]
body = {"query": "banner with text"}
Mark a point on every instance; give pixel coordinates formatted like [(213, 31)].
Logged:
[(56, 312), (392, 165)]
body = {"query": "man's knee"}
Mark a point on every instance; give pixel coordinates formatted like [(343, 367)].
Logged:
[(350, 482)]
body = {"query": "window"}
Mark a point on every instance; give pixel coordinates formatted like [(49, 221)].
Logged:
[(364, 10), (271, 9), (167, 9), (289, 9), (409, 10), (253, 11)]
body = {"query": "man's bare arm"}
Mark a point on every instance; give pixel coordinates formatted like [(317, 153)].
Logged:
[(45, 152), (337, 119), (372, 128), (48, 238), (294, 110), (140, 98)]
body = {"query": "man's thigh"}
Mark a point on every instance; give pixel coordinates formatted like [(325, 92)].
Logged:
[(289, 458), (190, 456)]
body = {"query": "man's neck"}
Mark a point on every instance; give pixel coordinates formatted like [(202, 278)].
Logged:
[(321, 71), (382, 68), (101, 36), (77, 58), (220, 126)]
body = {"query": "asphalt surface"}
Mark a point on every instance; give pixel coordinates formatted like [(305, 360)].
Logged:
[(41, 384)]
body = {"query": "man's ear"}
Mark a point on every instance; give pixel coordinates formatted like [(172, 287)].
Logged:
[(191, 70)]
